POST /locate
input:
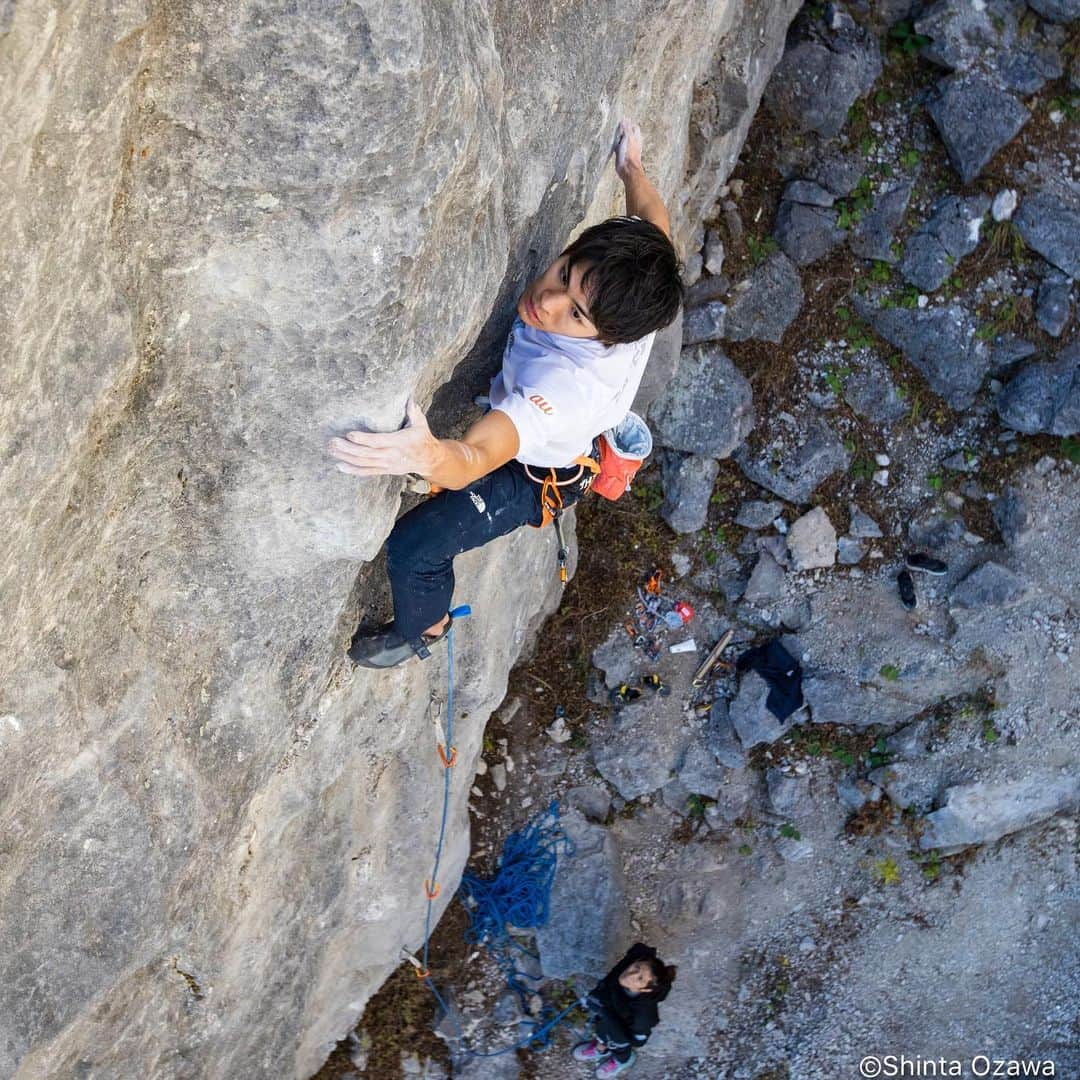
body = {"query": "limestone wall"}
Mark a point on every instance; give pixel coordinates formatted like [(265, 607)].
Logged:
[(226, 232)]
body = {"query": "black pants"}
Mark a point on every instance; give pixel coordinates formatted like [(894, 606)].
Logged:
[(613, 1034), (421, 549)]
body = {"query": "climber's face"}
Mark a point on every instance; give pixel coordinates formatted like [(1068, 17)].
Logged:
[(637, 978), (556, 301)]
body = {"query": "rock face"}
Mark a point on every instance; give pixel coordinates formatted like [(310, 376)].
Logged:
[(235, 235)]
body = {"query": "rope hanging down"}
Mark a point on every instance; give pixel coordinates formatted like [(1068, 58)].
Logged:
[(518, 895)]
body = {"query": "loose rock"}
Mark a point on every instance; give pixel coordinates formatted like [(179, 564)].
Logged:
[(688, 482), (708, 409), (588, 904), (1053, 304), (984, 812), (941, 342), (951, 232), (989, 585), (872, 237), (821, 74), (975, 119), (800, 469), (1049, 222), (806, 233), (1044, 397), (812, 541), (750, 716), (766, 584), (767, 304), (758, 513), (862, 525), (705, 323)]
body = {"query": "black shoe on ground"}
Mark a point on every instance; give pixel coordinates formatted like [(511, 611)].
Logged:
[(918, 560), (386, 648), (906, 584)]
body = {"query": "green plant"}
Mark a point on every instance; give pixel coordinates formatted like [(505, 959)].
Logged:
[(843, 755), (882, 97), (862, 468), (760, 249), (745, 849), (881, 272), (710, 557), (889, 672), (935, 482), (850, 210), (879, 755), (909, 298), (834, 378), (904, 40), (887, 872), (1070, 449), (788, 830), (695, 807), (1066, 104), (931, 865), (990, 733), (910, 157), (1005, 240)]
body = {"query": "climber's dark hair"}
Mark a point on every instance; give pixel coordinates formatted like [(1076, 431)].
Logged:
[(663, 975), (633, 285)]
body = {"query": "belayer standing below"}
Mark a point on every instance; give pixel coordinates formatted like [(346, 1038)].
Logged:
[(625, 1003), (571, 368)]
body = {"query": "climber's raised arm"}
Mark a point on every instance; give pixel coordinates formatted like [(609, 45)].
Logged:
[(642, 198), (449, 463)]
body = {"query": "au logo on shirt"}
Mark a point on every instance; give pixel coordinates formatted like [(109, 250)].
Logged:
[(541, 404)]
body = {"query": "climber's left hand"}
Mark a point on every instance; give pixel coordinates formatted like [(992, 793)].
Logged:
[(411, 449)]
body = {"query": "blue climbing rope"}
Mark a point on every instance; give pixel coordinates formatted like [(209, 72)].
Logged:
[(518, 895)]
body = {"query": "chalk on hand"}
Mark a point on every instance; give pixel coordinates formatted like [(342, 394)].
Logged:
[(690, 645)]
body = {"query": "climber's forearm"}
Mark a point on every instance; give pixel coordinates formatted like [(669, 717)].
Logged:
[(643, 199), (490, 443), (456, 465)]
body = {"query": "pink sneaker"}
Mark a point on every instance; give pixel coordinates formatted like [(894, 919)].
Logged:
[(611, 1067), (590, 1051)]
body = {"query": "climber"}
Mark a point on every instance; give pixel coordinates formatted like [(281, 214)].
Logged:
[(571, 367), (624, 1006)]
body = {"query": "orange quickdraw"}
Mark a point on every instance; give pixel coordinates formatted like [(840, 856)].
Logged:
[(432, 893), (448, 762)]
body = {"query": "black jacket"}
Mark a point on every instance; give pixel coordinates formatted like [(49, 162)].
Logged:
[(623, 1019)]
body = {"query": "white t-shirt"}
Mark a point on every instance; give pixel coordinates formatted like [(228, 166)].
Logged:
[(561, 392)]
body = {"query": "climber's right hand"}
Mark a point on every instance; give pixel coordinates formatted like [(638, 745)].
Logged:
[(411, 449), (627, 148)]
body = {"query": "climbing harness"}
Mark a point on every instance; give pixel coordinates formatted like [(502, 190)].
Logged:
[(517, 896), (613, 460)]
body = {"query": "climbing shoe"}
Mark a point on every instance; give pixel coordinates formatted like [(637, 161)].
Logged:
[(905, 584), (386, 648), (611, 1067), (918, 560), (590, 1051)]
